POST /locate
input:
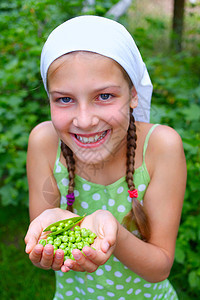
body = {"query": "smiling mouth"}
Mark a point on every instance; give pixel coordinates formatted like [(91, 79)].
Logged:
[(91, 139)]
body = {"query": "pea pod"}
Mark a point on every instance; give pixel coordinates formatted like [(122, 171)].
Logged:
[(63, 225)]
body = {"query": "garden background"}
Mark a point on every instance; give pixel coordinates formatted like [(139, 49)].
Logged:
[(24, 26)]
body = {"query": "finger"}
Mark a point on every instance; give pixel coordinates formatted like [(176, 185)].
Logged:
[(64, 269), (36, 254), (96, 256), (109, 240), (32, 236), (58, 260), (84, 262), (73, 265), (47, 257)]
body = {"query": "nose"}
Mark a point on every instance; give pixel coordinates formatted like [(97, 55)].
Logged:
[(85, 118)]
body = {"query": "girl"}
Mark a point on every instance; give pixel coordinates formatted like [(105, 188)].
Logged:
[(86, 160)]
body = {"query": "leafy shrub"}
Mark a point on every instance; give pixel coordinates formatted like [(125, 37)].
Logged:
[(25, 26), (176, 102)]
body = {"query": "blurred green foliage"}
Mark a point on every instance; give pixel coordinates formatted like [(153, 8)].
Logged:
[(25, 26), (176, 102)]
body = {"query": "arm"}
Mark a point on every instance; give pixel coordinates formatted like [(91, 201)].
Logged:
[(43, 191), (44, 196), (163, 202)]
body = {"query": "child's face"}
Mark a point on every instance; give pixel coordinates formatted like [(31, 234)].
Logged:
[(90, 104)]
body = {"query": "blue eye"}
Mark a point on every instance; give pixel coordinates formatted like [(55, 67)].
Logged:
[(105, 96), (64, 100)]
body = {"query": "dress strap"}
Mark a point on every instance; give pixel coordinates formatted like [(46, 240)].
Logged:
[(147, 139), (58, 150)]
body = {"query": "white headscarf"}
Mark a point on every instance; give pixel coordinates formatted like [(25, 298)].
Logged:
[(105, 37)]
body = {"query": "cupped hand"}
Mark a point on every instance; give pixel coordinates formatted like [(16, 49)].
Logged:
[(43, 257), (105, 226)]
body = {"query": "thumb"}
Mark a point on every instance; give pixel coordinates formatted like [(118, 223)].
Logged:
[(110, 236), (32, 236)]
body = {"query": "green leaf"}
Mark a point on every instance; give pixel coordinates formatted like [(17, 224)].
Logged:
[(179, 255), (192, 113), (194, 279)]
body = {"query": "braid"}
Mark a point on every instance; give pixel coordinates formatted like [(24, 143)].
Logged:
[(137, 213), (70, 162)]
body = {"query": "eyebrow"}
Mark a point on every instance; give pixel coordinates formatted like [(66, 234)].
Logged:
[(94, 91)]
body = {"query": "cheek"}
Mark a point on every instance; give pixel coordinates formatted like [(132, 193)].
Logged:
[(120, 124), (121, 116), (59, 119)]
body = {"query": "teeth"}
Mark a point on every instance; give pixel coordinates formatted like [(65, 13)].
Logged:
[(91, 139), (85, 140)]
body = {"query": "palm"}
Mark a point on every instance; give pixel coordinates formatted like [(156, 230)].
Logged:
[(102, 223)]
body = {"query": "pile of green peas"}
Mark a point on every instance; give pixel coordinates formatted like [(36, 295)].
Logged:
[(69, 239)]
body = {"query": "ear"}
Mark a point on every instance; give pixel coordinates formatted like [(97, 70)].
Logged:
[(133, 98)]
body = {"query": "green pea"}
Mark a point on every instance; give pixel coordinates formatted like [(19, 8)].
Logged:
[(62, 224), (66, 232), (77, 233), (70, 244), (78, 239), (49, 238), (80, 245), (71, 256), (77, 228), (86, 244), (86, 240), (72, 239), (65, 252), (67, 249), (64, 238), (69, 222), (93, 235), (59, 228), (90, 241), (73, 247), (71, 233), (66, 257), (57, 243), (53, 228), (63, 246), (84, 234), (43, 242), (50, 242)]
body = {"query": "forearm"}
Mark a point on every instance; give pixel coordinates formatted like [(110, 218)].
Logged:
[(148, 261)]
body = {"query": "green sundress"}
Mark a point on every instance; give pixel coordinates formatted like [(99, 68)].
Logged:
[(112, 280)]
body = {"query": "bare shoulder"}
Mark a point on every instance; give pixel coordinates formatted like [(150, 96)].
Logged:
[(42, 138), (44, 130), (164, 145), (162, 135), (165, 138), (43, 134)]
